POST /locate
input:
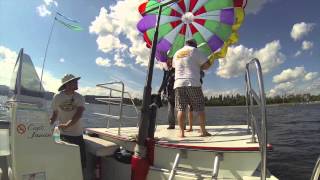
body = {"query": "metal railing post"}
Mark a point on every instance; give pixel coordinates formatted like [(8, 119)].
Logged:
[(260, 100), (175, 164), (116, 101), (216, 166), (109, 108), (121, 108)]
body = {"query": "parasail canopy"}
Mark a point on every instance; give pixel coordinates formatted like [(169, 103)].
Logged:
[(212, 23)]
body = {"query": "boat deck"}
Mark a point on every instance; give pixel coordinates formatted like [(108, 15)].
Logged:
[(224, 138)]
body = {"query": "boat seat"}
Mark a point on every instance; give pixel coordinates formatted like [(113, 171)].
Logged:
[(99, 147)]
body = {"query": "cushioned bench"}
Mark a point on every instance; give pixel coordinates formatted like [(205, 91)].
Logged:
[(99, 147)]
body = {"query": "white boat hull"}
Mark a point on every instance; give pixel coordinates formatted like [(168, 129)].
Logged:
[(239, 158)]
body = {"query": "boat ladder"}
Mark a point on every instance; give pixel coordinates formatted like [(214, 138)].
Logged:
[(216, 165)]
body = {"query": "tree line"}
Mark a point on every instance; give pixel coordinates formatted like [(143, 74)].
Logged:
[(240, 100)]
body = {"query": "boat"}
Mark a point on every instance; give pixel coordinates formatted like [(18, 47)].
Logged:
[(232, 152)]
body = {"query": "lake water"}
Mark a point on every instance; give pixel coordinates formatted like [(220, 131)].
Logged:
[(293, 130)]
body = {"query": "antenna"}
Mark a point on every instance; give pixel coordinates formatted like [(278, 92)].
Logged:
[(45, 53)]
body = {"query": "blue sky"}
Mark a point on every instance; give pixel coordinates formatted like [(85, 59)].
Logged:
[(283, 34)]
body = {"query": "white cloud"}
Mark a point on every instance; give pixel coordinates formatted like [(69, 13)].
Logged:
[(43, 11), (293, 81), (289, 75), (310, 76), (7, 61), (109, 42), (118, 61), (115, 24), (233, 65), (313, 87), (92, 91), (49, 2), (301, 29), (281, 89), (61, 60), (49, 82), (103, 62), (102, 25), (253, 7), (306, 45), (292, 75)]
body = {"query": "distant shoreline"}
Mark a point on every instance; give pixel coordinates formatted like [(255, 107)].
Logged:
[(279, 104)]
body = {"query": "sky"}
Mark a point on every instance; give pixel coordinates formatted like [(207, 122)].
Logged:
[(283, 34)]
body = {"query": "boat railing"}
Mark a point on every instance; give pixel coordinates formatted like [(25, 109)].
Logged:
[(254, 99), (316, 171), (113, 100)]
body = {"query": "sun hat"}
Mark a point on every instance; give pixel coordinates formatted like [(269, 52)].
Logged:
[(67, 78)]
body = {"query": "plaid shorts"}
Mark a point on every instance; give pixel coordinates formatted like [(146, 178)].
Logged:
[(189, 95)]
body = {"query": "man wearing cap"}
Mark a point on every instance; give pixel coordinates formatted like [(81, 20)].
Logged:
[(188, 63), (68, 106)]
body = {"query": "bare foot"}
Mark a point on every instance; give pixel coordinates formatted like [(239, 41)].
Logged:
[(205, 134), (181, 136), (189, 130)]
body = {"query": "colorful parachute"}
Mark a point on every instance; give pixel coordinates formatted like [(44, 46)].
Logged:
[(212, 23)]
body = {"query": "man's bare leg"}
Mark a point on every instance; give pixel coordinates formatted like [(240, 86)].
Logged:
[(202, 118), (180, 117), (190, 116)]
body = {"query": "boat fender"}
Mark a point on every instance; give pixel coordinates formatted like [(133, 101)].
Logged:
[(123, 155)]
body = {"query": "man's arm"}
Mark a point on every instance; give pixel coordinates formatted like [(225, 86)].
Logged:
[(74, 119), (53, 117), (164, 81), (206, 65)]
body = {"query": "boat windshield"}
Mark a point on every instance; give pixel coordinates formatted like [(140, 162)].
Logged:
[(25, 80)]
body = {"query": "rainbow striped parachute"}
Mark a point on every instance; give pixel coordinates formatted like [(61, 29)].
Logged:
[(212, 23)]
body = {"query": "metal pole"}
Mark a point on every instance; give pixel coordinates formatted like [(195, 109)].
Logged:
[(145, 111), (45, 53), (143, 128)]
